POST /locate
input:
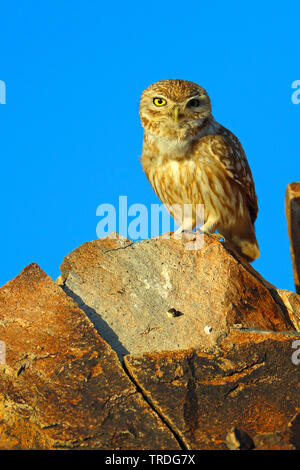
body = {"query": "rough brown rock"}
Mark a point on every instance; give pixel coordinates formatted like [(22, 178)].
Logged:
[(292, 303), (155, 295), (288, 439), (249, 384), (292, 210), (62, 386), (238, 439), (201, 375)]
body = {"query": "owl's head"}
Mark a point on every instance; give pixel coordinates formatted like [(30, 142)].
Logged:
[(174, 107)]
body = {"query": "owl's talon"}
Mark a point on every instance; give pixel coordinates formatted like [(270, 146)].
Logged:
[(219, 237), (185, 234)]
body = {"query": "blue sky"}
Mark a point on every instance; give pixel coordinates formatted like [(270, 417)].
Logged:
[(70, 134)]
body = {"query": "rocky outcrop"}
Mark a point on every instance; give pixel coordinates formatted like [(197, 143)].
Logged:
[(147, 345), (249, 383), (291, 302), (292, 210), (62, 386), (155, 295)]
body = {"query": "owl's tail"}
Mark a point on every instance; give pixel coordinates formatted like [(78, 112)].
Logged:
[(243, 237)]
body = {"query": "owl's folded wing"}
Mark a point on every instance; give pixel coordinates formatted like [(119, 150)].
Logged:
[(229, 152)]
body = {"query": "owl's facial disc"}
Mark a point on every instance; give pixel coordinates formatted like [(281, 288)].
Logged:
[(174, 107), (184, 111), (191, 109)]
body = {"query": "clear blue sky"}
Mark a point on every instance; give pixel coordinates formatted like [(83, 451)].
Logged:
[(70, 133)]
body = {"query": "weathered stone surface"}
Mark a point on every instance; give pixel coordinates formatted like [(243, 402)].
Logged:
[(62, 386), (292, 304), (292, 210), (288, 439), (237, 439), (249, 383), (203, 374), (156, 295)]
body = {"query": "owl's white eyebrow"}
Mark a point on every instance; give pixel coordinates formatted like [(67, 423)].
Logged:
[(193, 97)]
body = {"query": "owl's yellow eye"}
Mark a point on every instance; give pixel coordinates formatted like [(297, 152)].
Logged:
[(159, 101)]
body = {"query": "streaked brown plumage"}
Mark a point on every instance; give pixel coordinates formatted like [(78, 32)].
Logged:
[(189, 158)]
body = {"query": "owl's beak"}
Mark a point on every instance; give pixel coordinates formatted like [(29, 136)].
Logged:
[(176, 113)]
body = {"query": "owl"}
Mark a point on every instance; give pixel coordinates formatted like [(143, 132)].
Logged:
[(191, 159)]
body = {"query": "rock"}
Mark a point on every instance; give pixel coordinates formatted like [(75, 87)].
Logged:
[(249, 382), (212, 355), (292, 303), (292, 210), (238, 439), (62, 386), (156, 295), (288, 439)]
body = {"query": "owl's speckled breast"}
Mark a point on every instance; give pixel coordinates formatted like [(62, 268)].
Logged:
[(195, 179)]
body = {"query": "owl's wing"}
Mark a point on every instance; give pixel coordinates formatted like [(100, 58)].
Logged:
[(227, 149)]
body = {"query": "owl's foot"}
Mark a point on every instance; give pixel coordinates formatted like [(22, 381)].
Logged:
[(193, 240), (184, 234), (199, 235), (218, 236), (209, 228)]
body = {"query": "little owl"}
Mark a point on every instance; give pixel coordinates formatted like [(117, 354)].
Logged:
[(189, 158)]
